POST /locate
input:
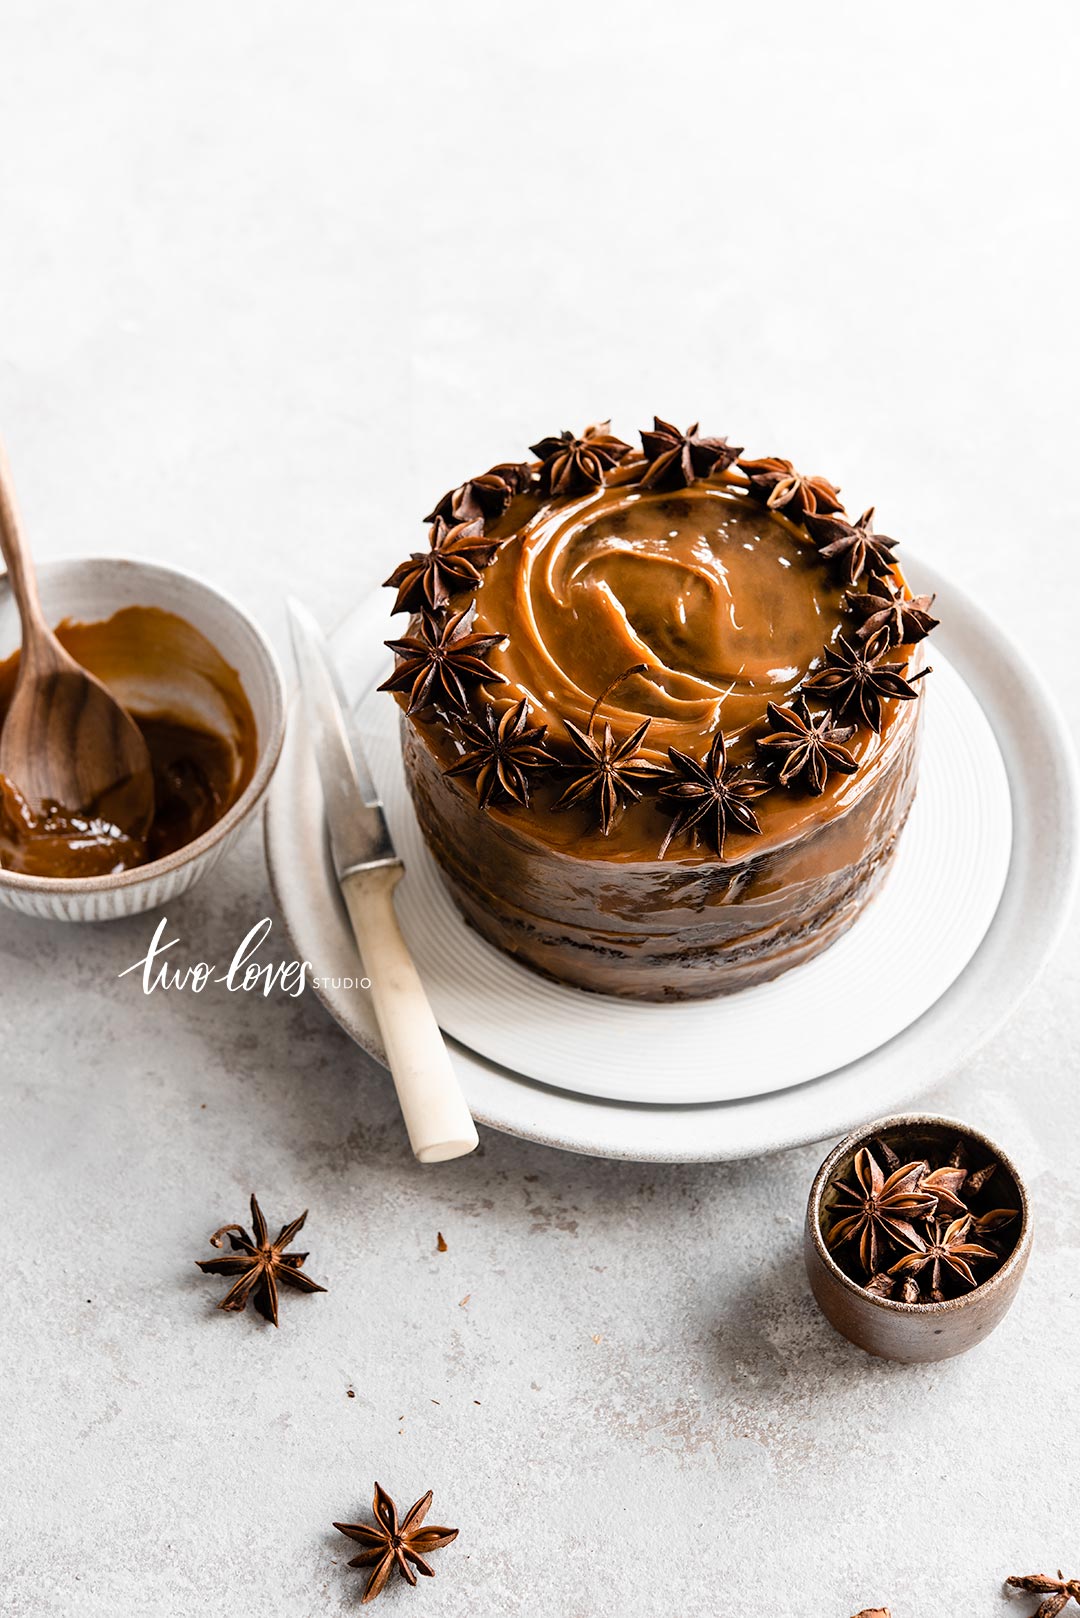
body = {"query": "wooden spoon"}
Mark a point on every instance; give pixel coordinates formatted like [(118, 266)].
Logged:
[(66, 740)]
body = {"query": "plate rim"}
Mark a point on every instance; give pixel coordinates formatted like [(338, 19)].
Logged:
[(1044, 843)]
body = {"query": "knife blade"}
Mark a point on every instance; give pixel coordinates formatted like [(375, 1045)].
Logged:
[(359, 836)]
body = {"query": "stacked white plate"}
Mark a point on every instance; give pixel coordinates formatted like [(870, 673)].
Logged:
[(977, 897)]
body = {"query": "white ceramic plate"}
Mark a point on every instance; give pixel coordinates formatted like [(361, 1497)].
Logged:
[(1037, 886)]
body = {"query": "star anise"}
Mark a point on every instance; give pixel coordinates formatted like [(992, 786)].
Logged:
[(950, 1191), (390, 1543), (451, 564), (783, 489), (993, 1219), (259, 1264), (605, 771), (854, 546), (885, 613), (677, 459), (574, 464), (875, 1209), (710, 800), (483, 498), (948, 1246), (806, 745), (500, 750), (854, 681), (1058, 1592), (945, 1184), (439, 659)]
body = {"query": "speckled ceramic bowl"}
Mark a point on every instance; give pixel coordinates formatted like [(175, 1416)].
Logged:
[(94, 589), (915, 1332)]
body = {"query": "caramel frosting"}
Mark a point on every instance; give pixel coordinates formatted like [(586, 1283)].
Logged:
[(703, 589), (726, 714), (727, 605), (195, 717)]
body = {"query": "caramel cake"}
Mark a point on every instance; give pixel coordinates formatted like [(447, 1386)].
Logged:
[(660, 710)]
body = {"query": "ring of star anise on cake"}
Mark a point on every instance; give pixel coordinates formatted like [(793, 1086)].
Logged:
[(506, 751)]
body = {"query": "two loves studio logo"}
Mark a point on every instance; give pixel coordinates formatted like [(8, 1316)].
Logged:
[(245, 973)]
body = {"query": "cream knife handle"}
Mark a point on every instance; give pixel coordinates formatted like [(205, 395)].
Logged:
[(439, 1123)]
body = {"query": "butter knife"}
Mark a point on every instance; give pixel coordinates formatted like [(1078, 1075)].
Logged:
[(368, 870)]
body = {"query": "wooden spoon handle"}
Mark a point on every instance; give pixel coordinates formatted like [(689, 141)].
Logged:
[(17, 557), (436, 1115)]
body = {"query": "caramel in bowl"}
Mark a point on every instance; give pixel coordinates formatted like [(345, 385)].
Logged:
[(204, 687)]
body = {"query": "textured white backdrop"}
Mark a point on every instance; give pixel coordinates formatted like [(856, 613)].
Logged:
[(271, 276)]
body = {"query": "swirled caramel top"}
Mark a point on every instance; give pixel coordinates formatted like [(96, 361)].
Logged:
[(631, 656), (726, 605)]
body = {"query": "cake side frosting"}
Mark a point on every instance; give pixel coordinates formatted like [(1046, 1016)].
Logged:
[(674, 929)]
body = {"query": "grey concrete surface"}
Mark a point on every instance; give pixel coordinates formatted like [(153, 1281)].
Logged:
[(271, 277)]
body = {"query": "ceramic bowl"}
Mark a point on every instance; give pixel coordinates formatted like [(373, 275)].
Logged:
[(915, 1332), (94, 589)]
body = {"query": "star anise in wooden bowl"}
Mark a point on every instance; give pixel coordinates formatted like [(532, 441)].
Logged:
[(917, 1235)]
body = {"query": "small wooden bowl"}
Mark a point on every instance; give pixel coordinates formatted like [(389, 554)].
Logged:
[(914, 1332)]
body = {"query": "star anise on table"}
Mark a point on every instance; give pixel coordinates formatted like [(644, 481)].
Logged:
[(1058, 1592), (709, 798), (885, 612), (259, 1264), (501, 749), (439, 659), (605, 771), (678, 459), (783, 489), (854, 546), (483, 498), (390, 1543), (575, 463), (854, 681), (875, 1210), (451, 564), (806, 746), (947, 1246)]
